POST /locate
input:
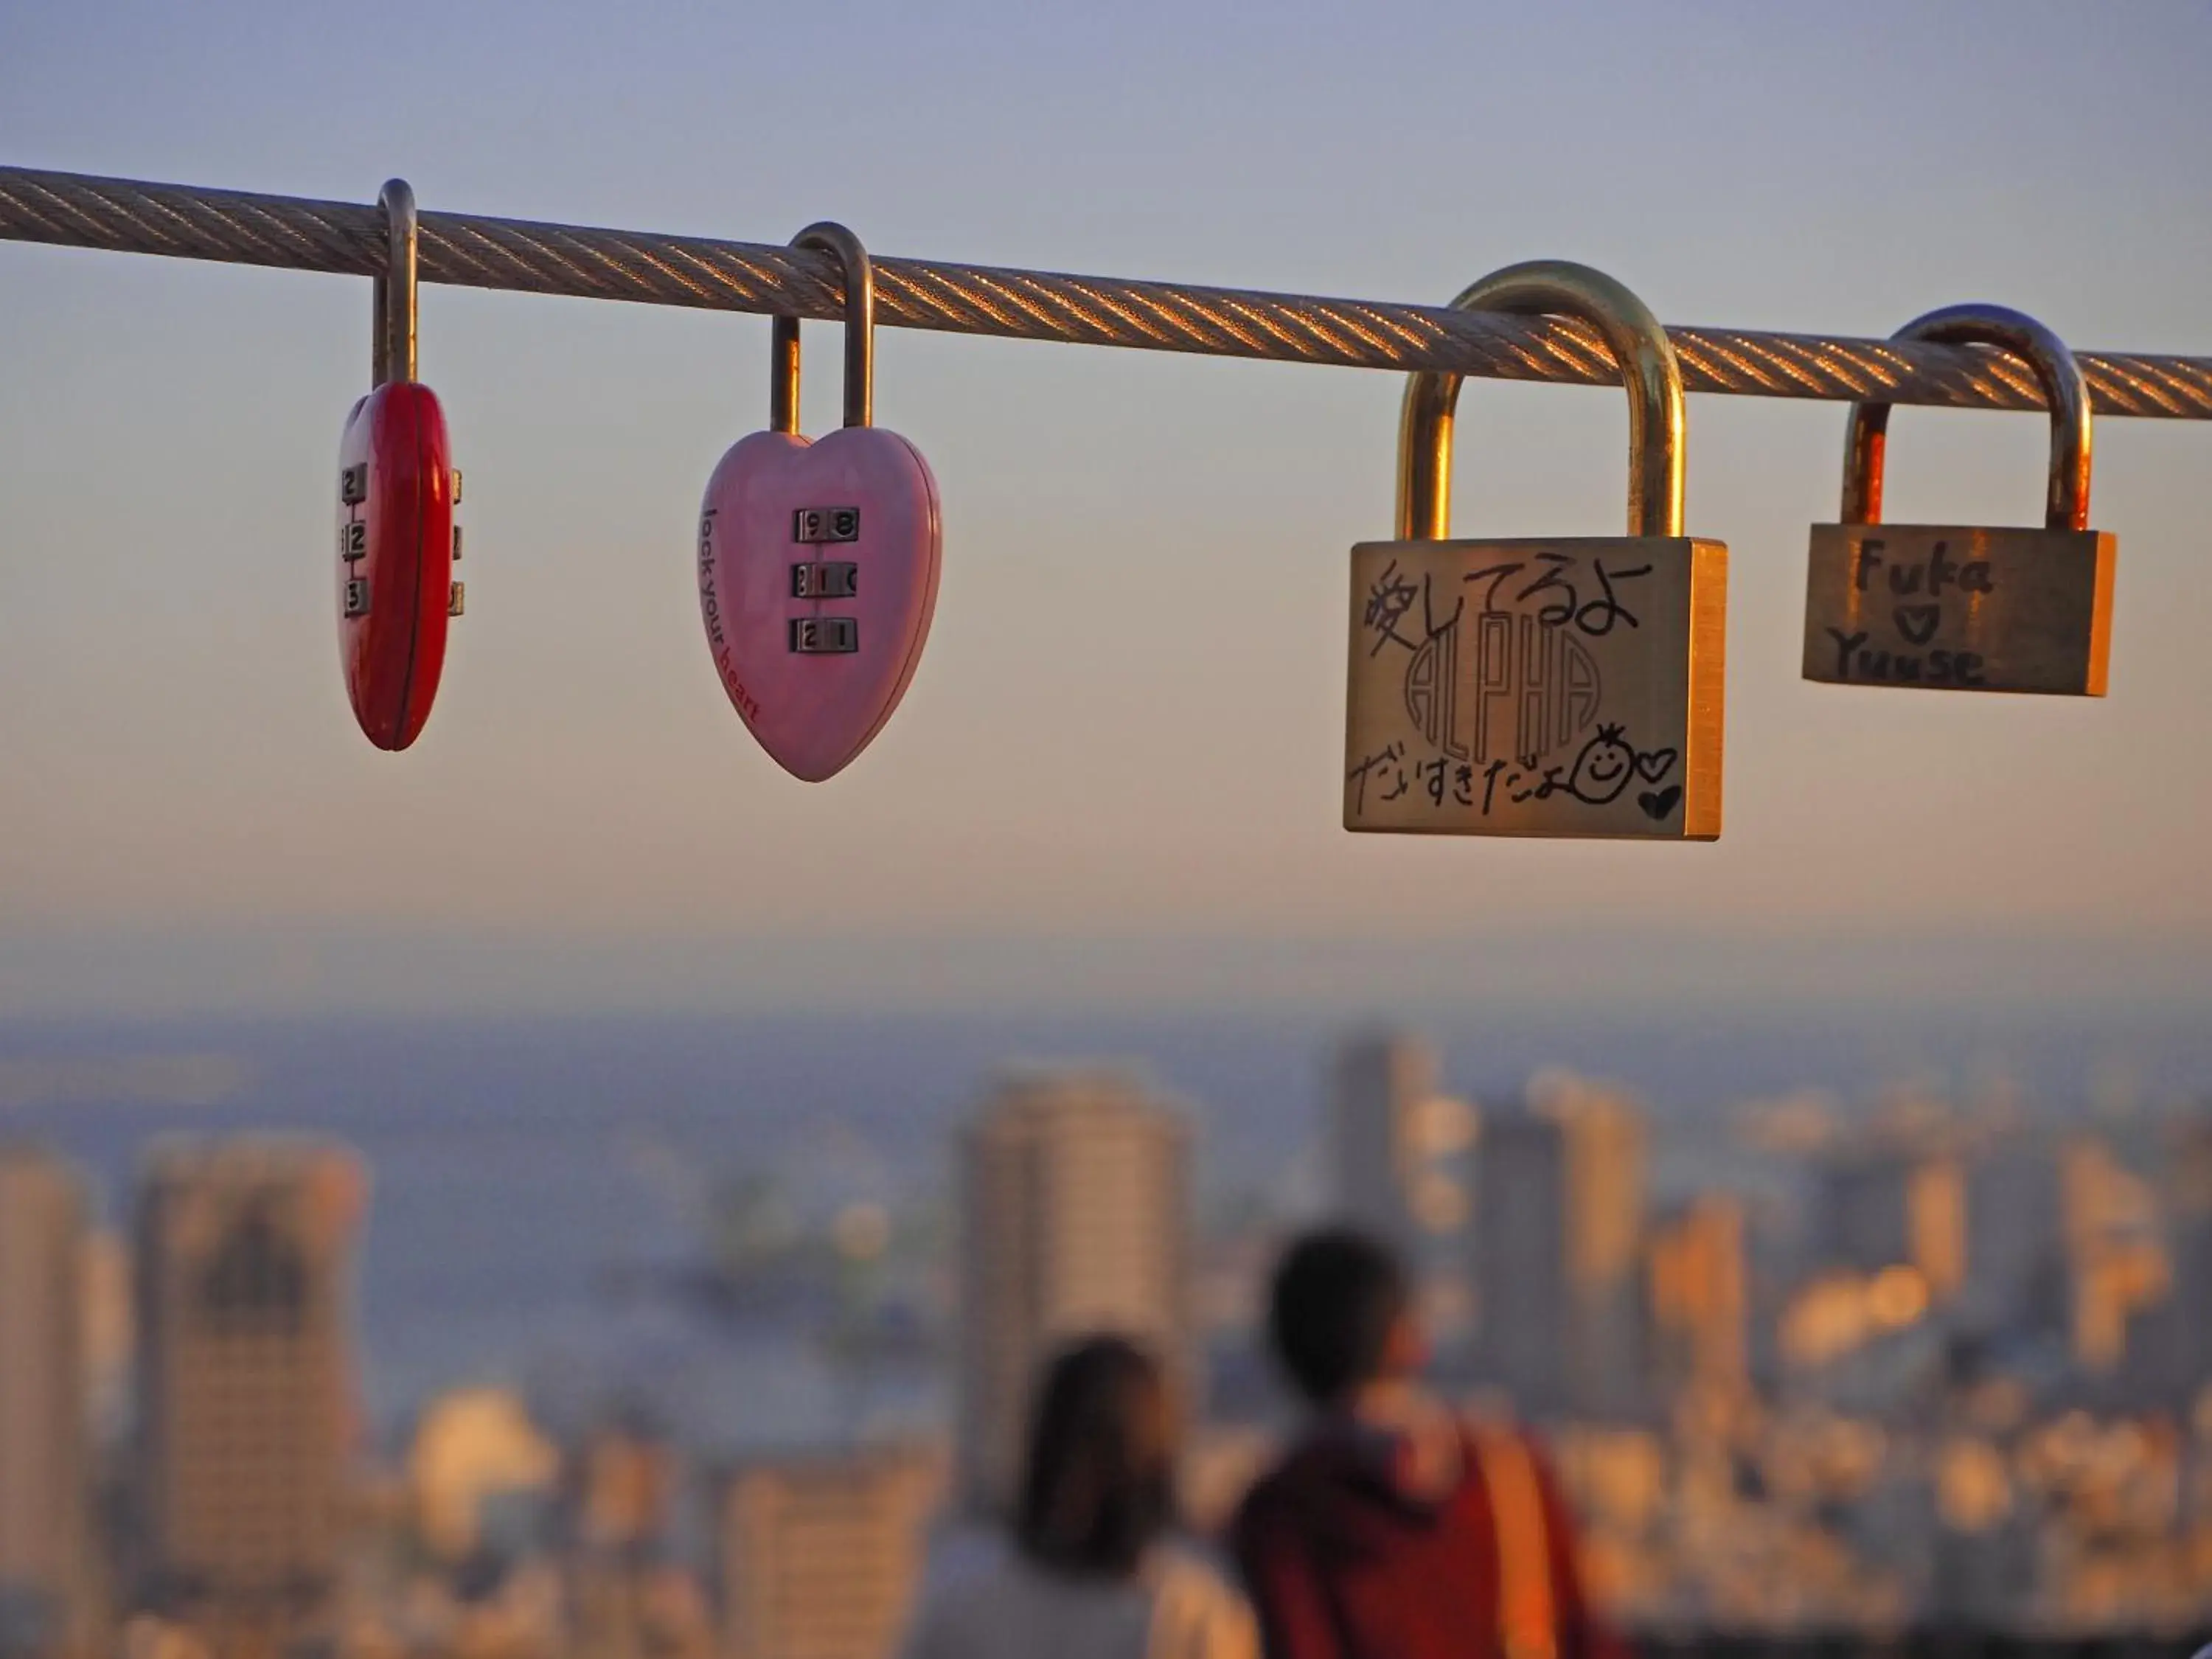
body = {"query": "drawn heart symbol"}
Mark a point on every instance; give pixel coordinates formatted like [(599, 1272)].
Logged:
[(1655, 765), (1918, 623), (395, 558), (1657, 806), (814, 695)]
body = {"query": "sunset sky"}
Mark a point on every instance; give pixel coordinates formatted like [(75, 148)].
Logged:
[(1124, 744)]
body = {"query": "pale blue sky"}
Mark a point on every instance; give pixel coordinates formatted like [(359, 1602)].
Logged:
[(1128, 723)]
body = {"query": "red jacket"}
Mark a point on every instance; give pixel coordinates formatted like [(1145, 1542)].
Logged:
[(1342, 1562)]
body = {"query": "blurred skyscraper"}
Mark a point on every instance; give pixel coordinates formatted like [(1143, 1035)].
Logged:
[(1558, 1235), (244, 1386), (2118, 1268), (1382, 1080), (1698, 1323), (2015, 1266), (624, 1485), (46, 1543), (1391, 1133), (1075, 1217), (822, 1557), (2186, 1356), (1891, 1206), (2140, 1291)]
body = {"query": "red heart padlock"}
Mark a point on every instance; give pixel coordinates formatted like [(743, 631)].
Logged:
[(818, 562), (397, 540)]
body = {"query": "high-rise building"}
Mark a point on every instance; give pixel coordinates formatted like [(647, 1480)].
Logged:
[(2186, 1355), (1391, 1133), (245, 1396), (1075, 1216), (1521, 1276), (46, 1552), (1698, 1322), (1558, 1226), (2139, 1268), (822, 1557), (1883, 1207), (624, 1484), (2015, 1266)]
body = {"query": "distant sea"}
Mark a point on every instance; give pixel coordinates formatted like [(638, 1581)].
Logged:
[(524, 1167)]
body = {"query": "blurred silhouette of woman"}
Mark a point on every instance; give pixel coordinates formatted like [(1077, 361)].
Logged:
[(1090, 1575)]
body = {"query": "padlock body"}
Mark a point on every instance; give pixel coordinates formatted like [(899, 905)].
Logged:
[(395, 558), (1960, 607), (817, 581), (1560, 688)]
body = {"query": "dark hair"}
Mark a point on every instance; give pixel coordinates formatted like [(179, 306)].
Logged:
[(1336, 1296), (1099, 1486)]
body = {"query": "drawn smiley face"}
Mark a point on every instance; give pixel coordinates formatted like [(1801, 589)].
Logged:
[(1601, 771)]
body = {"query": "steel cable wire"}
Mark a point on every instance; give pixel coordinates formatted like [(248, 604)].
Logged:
[(471, 251)]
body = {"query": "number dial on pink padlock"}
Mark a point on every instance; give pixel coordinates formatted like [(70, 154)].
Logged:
[(818, 561)]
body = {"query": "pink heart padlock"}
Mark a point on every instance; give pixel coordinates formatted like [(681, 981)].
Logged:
[(818, 561)]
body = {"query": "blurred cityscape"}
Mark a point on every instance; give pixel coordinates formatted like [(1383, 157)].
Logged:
[(1937, 1364)]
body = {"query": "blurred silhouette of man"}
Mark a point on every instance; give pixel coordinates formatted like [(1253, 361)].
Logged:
[(1394, 1529)]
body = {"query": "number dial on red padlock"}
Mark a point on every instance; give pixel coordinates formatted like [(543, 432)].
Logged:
[(817, 578), (396, 543)]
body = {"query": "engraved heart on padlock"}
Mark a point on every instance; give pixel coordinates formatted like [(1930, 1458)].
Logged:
[(817, 578)]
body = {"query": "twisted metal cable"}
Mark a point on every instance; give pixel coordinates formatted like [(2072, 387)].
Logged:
[(473, 251)]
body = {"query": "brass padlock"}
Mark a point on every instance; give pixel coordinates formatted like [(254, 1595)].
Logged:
[(1551, 686), (1967, 608)]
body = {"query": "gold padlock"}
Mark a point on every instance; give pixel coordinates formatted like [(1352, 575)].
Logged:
[(1556, 686), (1967, 608)]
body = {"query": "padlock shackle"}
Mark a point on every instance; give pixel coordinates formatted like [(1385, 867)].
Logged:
[(859, 334), (1657, 421), (391, 343), (2066, 502)]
